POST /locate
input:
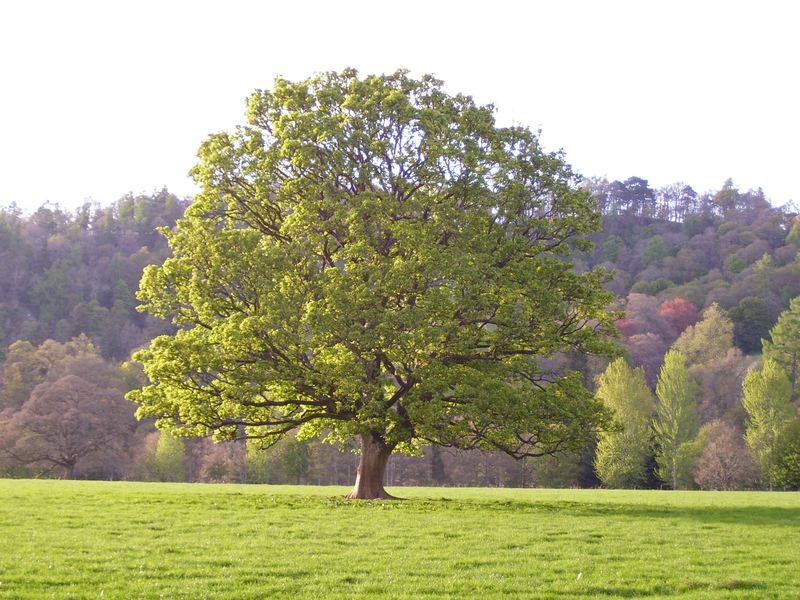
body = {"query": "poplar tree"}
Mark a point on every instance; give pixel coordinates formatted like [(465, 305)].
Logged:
[(783, 347), (621, 458), (767, 400), (676, 420)]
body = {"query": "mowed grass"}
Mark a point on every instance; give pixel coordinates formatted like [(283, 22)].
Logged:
[(67, 539)]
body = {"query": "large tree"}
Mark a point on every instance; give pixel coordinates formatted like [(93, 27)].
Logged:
[(374, 258)]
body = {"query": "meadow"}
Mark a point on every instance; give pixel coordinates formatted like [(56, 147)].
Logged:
[(71, 539)]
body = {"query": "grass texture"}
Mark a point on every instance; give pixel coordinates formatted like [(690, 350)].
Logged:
[(69, 539)]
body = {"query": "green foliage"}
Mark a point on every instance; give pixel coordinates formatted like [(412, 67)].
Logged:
[(676, 420), (622, 454), (169, 461), (708, 340), (651, 288), (612, 246), (783, 347), (785, 472), (370, 257), (752, 319), (734, 264), (655, 250), (767, 400), (793, 237), (694, 225)]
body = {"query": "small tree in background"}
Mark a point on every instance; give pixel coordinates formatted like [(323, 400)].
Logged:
[(725, 462), (786, 470), (621, 459), (767, 400), (707, 340), (169, 461), (676, 420)]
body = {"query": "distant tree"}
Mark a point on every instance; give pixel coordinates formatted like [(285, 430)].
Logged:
[(611, 248), (734, 264), (793, 237), (374, 258), (647, 351), (628, 327), (786, 470), (725, 462), (752, 318), (169, 461), (708, 340), (655, 250), (783, 347), (75, 410), (767, 400), (67, 420), (560, 471), (721, 387), (622, 455), (676, 420), (680, 313)]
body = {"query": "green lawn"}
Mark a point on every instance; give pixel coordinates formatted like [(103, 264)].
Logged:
[(68, 539)]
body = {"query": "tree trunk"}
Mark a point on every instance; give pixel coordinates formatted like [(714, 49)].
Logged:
[(371, 468)]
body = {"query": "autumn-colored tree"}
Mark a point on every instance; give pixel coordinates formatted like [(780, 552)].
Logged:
[(622, 454), (680, 313), (374, 258), (676, 420)]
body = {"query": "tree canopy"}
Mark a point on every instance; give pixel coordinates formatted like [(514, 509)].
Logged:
[(372, 257)]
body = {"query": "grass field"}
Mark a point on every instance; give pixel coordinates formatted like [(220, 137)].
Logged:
[(67, 539)]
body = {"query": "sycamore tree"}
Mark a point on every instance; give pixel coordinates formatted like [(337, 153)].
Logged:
[(373, 258)]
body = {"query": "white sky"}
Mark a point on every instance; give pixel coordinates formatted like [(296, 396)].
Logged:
[(98, 99)]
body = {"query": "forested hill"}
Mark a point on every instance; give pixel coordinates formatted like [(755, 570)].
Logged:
[(675, 252), (63, 274), (723, 262)]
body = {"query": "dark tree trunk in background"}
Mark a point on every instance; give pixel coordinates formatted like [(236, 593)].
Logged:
[(371, 469)]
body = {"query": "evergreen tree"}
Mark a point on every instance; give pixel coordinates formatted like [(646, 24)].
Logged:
[(677, 419), (622, 454)]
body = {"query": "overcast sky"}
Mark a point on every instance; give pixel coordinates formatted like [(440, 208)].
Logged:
[(103, 98)]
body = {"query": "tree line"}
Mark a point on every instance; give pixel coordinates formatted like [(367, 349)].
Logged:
[(70, 324), (375, 260)]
